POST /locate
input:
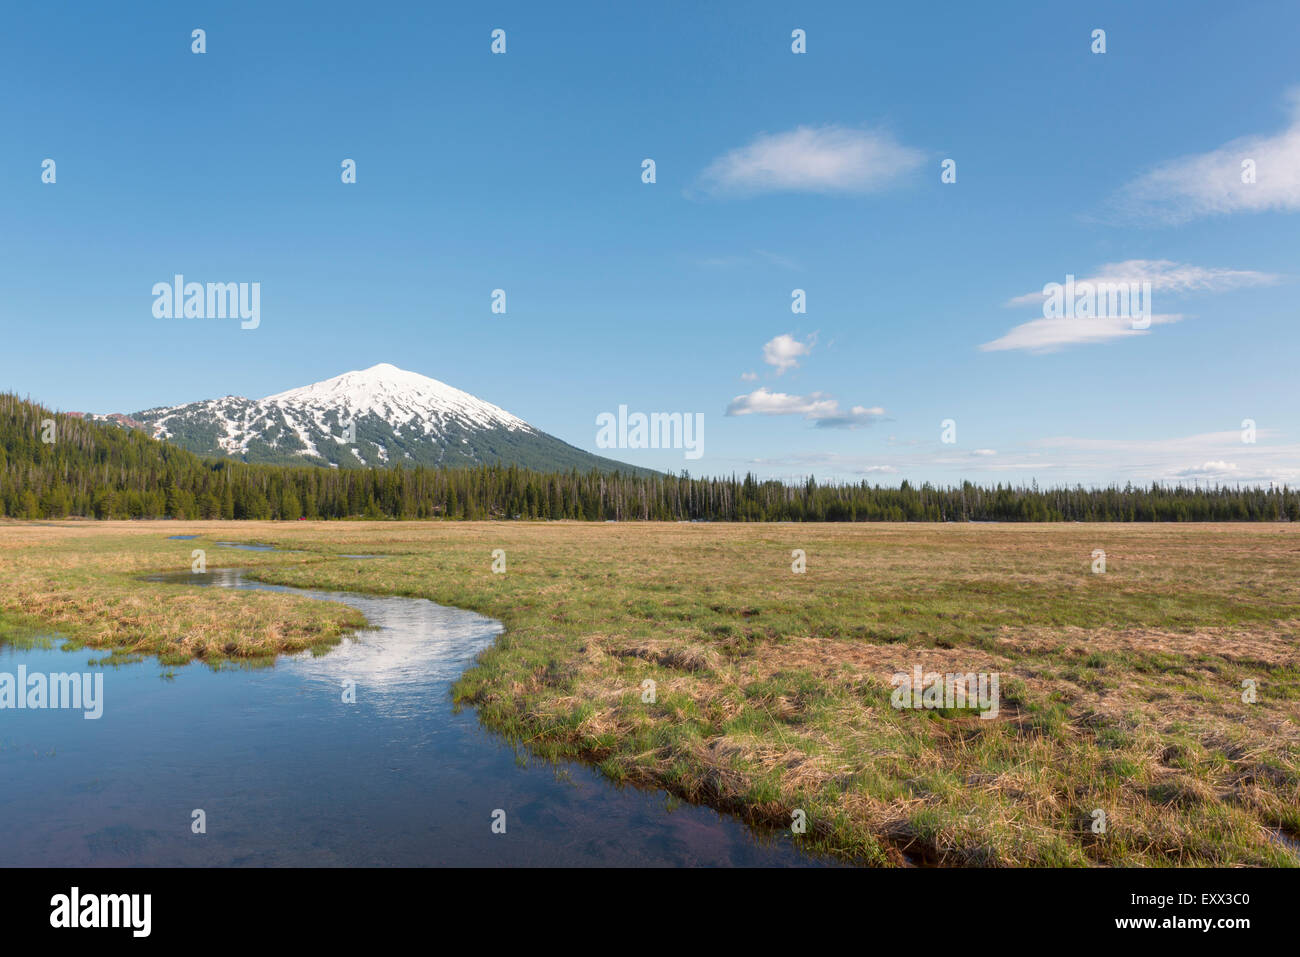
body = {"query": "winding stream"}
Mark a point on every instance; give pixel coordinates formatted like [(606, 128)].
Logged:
[(289, 774)]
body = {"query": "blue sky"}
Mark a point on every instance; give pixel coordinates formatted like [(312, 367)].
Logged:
[(774, 170)]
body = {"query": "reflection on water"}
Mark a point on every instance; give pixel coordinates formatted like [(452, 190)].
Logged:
[(416, 642), (289, 773), (1282, 839)]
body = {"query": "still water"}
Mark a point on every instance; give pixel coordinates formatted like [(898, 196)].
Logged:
[(289, 774)]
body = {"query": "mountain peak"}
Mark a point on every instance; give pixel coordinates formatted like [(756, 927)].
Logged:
[(380, 415), (387, 371), (397, 396), (381, 370), (384, 374)]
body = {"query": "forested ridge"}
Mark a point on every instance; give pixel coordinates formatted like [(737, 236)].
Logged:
[(95, 470)]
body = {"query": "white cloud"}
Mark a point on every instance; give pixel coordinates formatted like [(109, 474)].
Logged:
[(984, 452), (836, 463), (823, 159), (1179, 444), (1209, 184), (1051, 335), (749, 376), (817, 407), (1221, 455), (763, 402), (1212, 457), (1165, 275), (784, 351), (1210, 470)]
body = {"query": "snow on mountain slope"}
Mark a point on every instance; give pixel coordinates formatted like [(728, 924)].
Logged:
[(378, 416), (397, 396)]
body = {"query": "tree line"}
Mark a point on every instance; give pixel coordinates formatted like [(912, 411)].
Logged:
[(92, 470)]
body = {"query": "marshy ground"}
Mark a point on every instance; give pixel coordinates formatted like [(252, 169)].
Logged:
[(1124, 692)]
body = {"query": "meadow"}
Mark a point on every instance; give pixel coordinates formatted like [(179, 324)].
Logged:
[(1148, 715)]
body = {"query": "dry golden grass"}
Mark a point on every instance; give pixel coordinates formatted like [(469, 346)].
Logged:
[(82, 580)]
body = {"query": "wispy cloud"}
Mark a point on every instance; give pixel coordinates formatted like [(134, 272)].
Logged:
[(1179, 444), (817, 407), (834, 462), (1212, 457), (1207, 456), (959, 464), (785, 350), (1219, 469), (1210, 184), (1051, 335), (826, 159), (1165, 276)]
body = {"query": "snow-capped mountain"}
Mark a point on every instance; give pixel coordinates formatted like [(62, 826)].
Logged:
[(372, 417), (397, 396)]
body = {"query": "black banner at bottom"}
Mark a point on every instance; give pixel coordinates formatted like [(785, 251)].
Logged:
[(342, 906)]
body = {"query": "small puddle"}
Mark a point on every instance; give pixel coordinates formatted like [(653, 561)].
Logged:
[(1282, 839)]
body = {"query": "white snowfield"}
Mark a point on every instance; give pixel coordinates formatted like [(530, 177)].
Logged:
[(412, 404), (398, 397)]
